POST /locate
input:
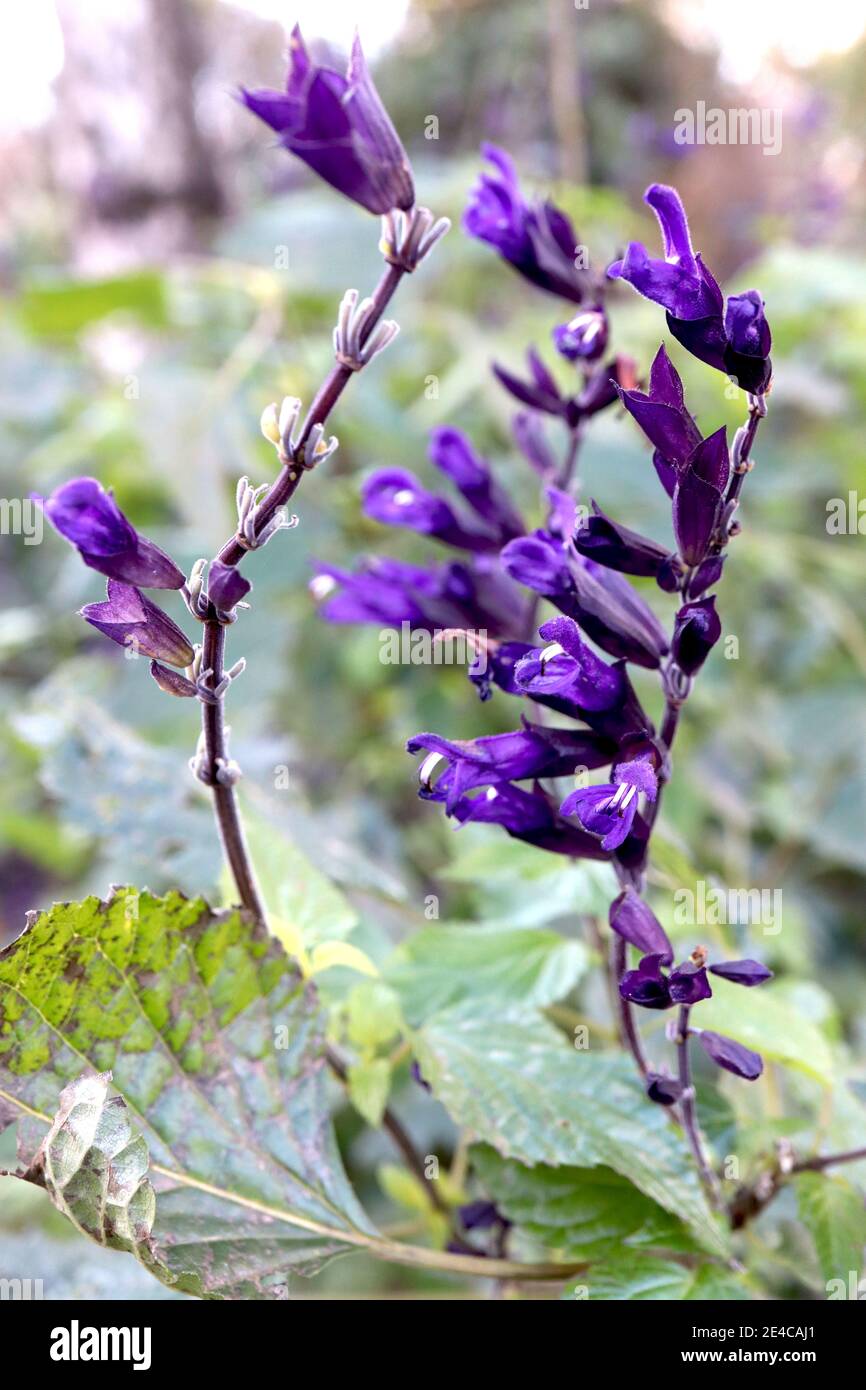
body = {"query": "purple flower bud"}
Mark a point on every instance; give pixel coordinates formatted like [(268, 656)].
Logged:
[(88, 516), (529, 438), (743, 972), (130, 619), (731, 1055), (747, 356), (338, 126), (396, 498), (540, 392), (481, 1215), (697, 629), (632, 919), (226, 586), (689, 984), (708, 573), (584, 337), (172, 682), (537, 239), (453, 453), (664, 1090), (618, 548)]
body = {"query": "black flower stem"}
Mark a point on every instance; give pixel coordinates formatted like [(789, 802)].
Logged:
[(687, 1107), (627, 1024), (225, 802)]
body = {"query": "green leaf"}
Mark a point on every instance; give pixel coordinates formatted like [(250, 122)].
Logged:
[(440, 966), (369, 1084), (580, 1213), (64, 307), (834, 1215), (528, 887), (758, 1019), (216, 1047), (514, 1083), (94, 1169), (296, 893), (373, 1015), (627, 1279)]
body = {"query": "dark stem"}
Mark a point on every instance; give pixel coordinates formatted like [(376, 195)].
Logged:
[(627, 1024), (225, 802), (817, 1165), (750, 1201), (687, 1107)]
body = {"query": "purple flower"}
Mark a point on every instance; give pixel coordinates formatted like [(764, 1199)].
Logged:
[(537, 239), (584, 337), (698, 496), (664, 1090), (697, 629), (608, 609), (130, 619), (529, 437), (731, 1055), (542, 393), (88, 516), (454, 455), (681, 282), (397, 498), (609, 809), (481, 1215), (742, 972), (569, 669), (226, 586), (618, 548), (338, 126), (635, 922), (390, 593), (529, 816), (531, 752), (651, 989), (736, 339)]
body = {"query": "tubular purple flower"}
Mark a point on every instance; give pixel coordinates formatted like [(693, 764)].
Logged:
[(90, 519), (569, 668), (396, 498), (618, 548), (680, 283), (528, 753), (338, 126), (662, 414), (731, 1055), (131, 620), (454, 455), (537, 239), (528, 816)]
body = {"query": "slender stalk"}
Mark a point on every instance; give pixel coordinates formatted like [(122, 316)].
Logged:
[(687, 1107), (817, 1165), (627, 1023)]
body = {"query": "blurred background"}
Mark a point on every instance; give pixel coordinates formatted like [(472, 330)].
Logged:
[(165, 272)]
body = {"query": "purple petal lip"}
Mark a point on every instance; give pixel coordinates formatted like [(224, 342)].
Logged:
[(608, 810), (647, 985), (731, 1055), (742, 972), (338, 126), (130, 619), (689, 984), (90, 519)]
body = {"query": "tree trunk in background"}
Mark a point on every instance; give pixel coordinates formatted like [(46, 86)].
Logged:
[(566, 107), (128, 149)]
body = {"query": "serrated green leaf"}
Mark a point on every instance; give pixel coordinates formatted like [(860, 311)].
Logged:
[(834, 1214), (580, 1213), (769, 1026), (441, 966), (627, 1279), (373, 1015), (216, 1046), (514, 1083)]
